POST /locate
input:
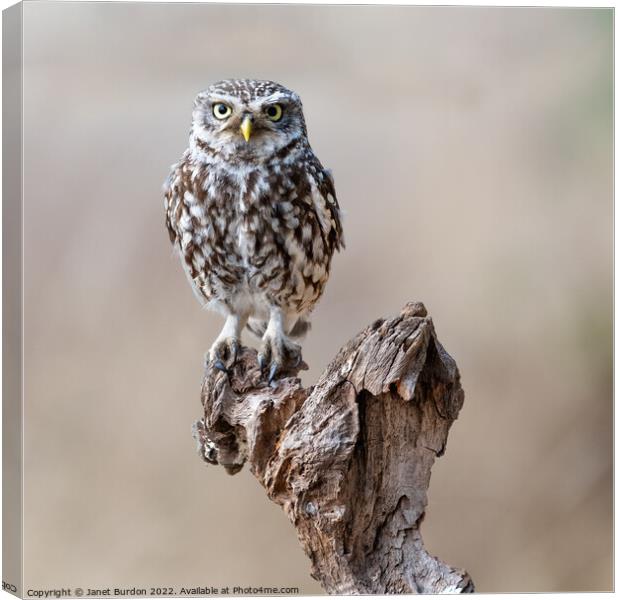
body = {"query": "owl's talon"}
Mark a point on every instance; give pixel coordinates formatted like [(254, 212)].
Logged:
[(219, 365), (280, 353), (293, 356), (273, 371), (223, 354)]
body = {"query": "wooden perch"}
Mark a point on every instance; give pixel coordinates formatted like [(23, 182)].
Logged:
[(349, 459)]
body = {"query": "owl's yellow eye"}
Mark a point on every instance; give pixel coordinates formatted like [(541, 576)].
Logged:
[(274, 112), (221, 110)]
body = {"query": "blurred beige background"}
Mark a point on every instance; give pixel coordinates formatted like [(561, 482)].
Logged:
[(472, 151)]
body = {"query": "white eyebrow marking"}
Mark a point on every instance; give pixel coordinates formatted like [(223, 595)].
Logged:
[(271, 99), (224, 98)]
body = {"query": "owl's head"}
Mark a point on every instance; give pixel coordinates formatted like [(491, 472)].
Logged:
[(245, 119)]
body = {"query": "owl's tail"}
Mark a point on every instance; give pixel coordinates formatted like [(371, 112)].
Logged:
[(299, 329)]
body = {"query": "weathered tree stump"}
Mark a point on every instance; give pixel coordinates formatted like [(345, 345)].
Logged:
[(349, 459)]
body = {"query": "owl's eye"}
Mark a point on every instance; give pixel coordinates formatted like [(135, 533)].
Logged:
[(221, 110), (274, 112)]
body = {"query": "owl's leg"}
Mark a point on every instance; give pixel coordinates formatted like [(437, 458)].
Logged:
[(277, 349), (223, 352)]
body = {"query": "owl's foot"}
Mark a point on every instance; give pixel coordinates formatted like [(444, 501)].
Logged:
[(278, 354), (223, 353)]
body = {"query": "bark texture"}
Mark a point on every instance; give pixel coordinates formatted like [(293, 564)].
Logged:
[(350, 458)]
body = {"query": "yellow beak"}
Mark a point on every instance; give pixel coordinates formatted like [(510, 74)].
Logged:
[(246, 127)]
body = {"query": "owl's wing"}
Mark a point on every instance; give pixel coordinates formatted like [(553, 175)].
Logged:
[(331, 218), (174, 189)]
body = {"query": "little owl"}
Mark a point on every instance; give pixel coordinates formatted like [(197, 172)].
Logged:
[(254, 216)]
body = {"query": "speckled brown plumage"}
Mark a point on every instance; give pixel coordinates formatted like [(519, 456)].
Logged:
[(256, 222)]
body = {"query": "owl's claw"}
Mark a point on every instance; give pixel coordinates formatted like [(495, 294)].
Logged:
[(219, 365), (273, 371), (223, 354), (280, 353)]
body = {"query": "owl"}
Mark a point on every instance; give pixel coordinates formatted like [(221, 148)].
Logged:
[(254, 217)]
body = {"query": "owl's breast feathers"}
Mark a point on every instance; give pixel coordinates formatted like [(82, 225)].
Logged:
[(269, 229)]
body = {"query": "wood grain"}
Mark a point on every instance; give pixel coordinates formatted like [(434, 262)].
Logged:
[(349, 459)]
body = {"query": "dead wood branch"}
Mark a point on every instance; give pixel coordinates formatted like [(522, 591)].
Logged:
[(349, 459)]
